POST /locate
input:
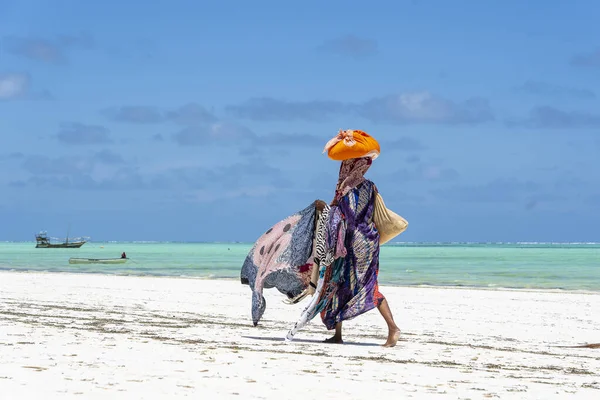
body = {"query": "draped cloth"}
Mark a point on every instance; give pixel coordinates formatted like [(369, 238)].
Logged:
[(347, 285), (281, 258), (351, 282)]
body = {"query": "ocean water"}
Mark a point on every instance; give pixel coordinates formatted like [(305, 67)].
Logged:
[(530, 265)]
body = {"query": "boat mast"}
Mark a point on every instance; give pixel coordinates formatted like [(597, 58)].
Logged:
[(68, 230)]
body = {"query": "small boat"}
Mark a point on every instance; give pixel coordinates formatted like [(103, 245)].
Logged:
[(45, 242), (74, 260)]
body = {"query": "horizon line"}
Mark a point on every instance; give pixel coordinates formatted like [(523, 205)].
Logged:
[(387, 244)]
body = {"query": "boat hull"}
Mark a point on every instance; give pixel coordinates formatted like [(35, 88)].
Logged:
[(73, 245), (97, 260)]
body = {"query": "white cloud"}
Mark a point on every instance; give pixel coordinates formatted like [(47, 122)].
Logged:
[(404, 108), (13, 85), (424, 107)]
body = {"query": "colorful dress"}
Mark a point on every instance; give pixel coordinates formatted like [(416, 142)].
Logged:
[(347, 252), (350, 283)]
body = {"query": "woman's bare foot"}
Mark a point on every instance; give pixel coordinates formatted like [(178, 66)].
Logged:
[(393, 330), (392, 339), (337, 338), (334, 339)]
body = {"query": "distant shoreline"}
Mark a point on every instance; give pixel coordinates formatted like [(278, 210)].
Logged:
[(392, 244)]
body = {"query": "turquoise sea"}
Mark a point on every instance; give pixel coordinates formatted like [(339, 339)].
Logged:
[(524, 265)]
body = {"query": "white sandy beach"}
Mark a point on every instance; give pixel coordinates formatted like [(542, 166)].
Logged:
[(113, 337)]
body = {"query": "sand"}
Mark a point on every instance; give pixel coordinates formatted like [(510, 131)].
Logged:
[(114, 337)]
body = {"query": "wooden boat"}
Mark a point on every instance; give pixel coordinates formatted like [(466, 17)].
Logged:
[(74, 260), (45, 242)]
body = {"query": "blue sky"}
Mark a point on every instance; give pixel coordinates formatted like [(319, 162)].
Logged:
[(201, 121)]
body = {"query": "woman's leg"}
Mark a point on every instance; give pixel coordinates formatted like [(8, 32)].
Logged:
[(393, 330), (337, 338)]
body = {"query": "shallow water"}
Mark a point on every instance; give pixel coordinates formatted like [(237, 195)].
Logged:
[(539, 266)]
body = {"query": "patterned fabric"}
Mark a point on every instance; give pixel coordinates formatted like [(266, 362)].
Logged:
[(350, 284), (347, 285), (323, 256), (281, 258), (351, 175), (323, 253)]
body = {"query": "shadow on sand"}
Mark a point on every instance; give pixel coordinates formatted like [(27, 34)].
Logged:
[(280, 339)]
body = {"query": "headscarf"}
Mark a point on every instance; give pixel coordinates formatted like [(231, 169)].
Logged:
[(352, 173)]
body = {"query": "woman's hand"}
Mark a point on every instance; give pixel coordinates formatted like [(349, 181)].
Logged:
[(320, 205)]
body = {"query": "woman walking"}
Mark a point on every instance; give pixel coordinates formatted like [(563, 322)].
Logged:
[(347, 243), (330, 251)]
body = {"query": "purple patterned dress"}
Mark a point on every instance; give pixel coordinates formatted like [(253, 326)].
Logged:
[(350, 284)]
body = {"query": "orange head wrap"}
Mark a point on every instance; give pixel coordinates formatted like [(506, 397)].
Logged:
[(352, 144)]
